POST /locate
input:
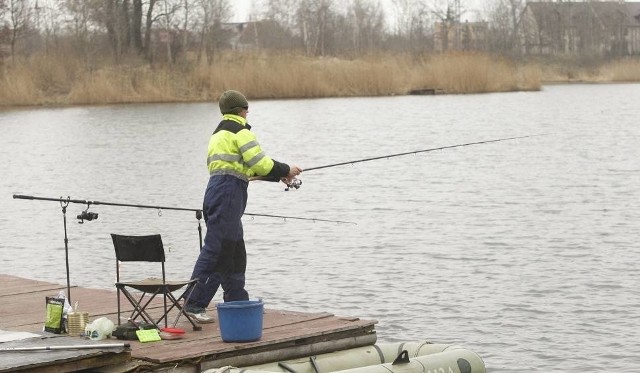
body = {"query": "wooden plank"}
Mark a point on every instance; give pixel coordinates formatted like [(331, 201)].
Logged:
[(212, 344), (198, 340), (86, 362), (15, 289), (25, 309), (6, 336), (59, 360)]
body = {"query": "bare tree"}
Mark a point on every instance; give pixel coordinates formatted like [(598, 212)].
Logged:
[(504, 16), (412, 23), (499, 39), (136, 27), (3, 8), (367, 25), (279, 29), (213, 13), (314, 19), (169, 10), (47, 27), (515, 7), (402, 11), (115, 24), (283, 12), (149, 20), (19, 21), (446, 30), (4, 33), (123, 21), (184, 41), (79, 23)]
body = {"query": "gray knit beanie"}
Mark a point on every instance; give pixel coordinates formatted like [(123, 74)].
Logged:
[(232, 102)]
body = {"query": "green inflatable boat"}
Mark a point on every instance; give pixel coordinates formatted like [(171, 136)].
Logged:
[(405, 357)]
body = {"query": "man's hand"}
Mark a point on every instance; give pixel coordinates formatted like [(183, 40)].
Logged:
[(293, 172), (290, 180)]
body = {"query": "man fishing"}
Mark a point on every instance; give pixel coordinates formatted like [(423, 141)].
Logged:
[(234, 156)]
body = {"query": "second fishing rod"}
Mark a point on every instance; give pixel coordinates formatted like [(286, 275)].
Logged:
[(87, 215)]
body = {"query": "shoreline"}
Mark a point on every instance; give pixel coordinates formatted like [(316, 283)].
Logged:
[(60, 105)]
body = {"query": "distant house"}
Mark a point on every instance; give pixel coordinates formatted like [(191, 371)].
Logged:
[(449, 35), (609, 28), (234, 32), (259, 34)]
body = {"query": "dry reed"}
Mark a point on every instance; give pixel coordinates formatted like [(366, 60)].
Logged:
[(18, 88), (572, 71), (475, 73), (626, 70)]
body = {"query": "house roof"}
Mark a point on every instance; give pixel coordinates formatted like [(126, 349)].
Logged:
[(607, 13), (634, 12)]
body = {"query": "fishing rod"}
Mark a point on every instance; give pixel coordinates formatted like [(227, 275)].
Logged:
[(296, 183), (66, 347), (87, 215)]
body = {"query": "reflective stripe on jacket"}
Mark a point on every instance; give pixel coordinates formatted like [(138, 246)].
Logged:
[(234, 149)]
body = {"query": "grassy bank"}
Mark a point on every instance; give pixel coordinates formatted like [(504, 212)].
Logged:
[(64, 80)]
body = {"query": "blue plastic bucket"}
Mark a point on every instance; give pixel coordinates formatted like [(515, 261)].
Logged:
[(240, 321)]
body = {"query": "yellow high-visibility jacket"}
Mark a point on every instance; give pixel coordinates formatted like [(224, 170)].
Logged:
[(234, 150)]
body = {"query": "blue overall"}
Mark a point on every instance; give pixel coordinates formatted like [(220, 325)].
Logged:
[(223, 258)]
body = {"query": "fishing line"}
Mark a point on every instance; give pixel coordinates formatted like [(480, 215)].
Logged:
[(300, 218)]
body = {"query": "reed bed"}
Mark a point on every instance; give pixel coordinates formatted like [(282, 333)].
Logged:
[(294, 76), (65, 80), (626, 70), (573, 71), (475, 73)]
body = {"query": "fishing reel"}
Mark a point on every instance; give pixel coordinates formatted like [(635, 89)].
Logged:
[(87, 215), (295, 183)]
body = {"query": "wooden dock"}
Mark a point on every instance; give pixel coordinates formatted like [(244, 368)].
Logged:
[(286, 335)]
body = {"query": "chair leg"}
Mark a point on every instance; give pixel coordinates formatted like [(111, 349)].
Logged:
[(181, 311), (118, 291), (140, 305), (138, 308), (175, 303)]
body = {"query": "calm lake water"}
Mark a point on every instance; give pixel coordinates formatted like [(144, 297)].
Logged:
[(524, 251)]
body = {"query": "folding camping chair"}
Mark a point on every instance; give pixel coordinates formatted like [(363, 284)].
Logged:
[(149, 249)]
